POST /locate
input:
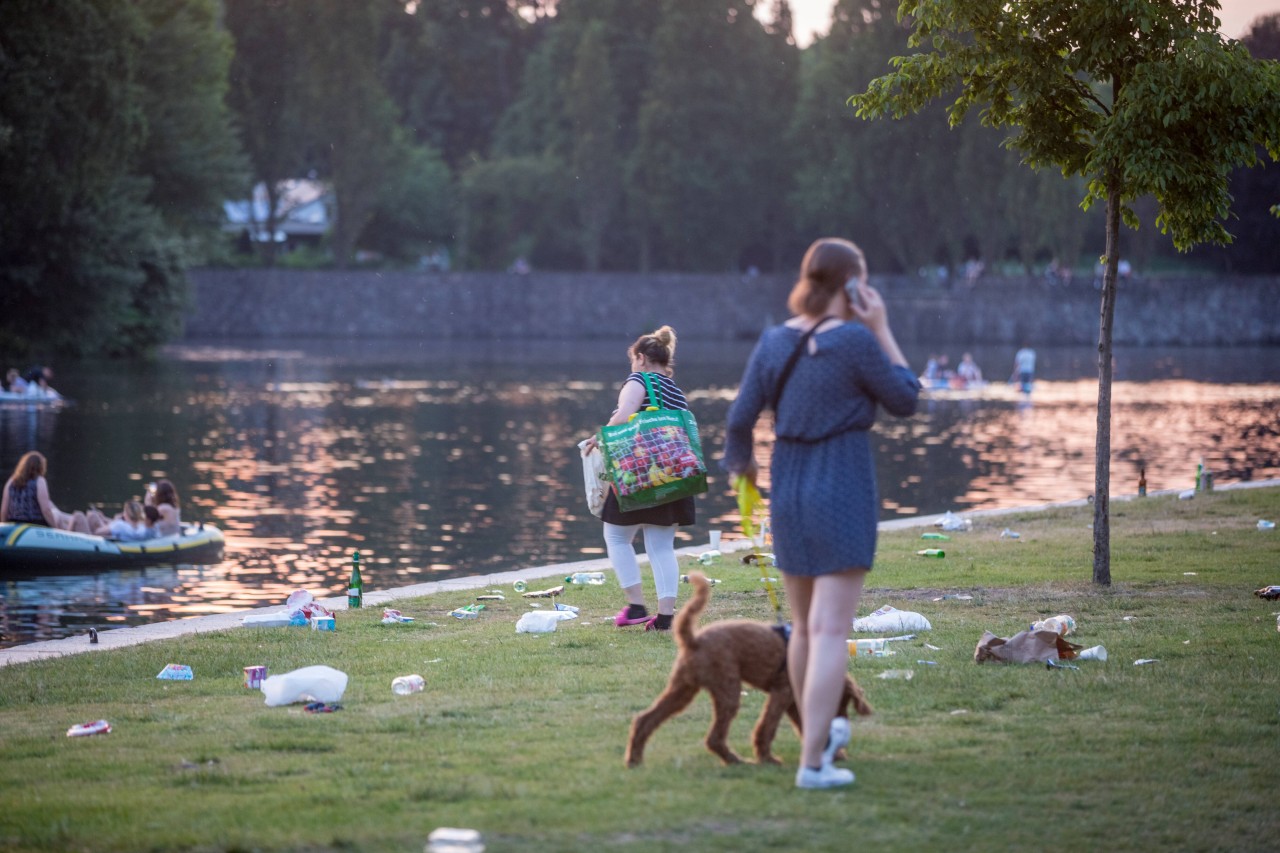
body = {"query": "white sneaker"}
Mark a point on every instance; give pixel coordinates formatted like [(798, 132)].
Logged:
[(828, 777), (838, 737)]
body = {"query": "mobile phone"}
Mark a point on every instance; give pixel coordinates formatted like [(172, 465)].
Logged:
[(855, 295)]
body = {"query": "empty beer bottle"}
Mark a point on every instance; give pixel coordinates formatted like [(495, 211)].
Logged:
[(355, 589)]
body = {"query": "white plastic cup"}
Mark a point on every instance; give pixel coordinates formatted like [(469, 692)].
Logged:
[(1093, 653), (715, 540), (406, 684)]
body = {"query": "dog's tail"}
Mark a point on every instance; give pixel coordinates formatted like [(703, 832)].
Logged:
[(687, 619)]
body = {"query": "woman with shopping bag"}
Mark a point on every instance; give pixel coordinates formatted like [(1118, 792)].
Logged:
[(648, 386)]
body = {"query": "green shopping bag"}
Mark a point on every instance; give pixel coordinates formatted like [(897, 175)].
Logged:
[(654, 458)]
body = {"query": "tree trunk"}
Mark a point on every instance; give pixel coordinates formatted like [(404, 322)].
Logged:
[(1102, 447)]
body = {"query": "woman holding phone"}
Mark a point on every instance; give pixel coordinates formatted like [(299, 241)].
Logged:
[(823, 372)]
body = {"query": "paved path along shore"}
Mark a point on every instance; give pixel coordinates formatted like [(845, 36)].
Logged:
[(121, 637)]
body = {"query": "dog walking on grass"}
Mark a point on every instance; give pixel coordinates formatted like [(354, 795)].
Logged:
[(718, 659)]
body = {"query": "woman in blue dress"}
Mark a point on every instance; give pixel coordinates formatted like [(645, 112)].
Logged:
[(844, 362)]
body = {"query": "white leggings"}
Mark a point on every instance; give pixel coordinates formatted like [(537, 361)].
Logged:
[(659, 544)]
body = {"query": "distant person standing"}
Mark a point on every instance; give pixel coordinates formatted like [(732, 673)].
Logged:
[(1024, 368)]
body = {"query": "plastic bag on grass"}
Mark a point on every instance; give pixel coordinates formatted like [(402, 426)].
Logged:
[(891, 619), (315, 683)]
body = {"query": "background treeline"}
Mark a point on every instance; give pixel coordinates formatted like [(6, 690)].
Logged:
[(579, 135)]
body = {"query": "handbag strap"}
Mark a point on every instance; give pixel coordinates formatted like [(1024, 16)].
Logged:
[(655, 399), (791, 362)]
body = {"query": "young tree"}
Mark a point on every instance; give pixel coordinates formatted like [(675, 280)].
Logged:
[(1137, 96)]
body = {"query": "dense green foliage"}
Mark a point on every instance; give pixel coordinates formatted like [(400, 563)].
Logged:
[(115, 153), (579, 134), (602, 134), (1138, 98), (521, 736)]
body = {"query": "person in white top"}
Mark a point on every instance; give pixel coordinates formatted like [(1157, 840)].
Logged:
[(129, 526)]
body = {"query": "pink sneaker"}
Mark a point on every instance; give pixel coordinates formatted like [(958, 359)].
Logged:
[(622, 621)]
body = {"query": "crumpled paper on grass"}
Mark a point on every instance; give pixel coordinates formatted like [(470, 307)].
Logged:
[(1025, 647)]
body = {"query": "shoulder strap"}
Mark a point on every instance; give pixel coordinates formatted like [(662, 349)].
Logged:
[(791, 362), (655, 399)]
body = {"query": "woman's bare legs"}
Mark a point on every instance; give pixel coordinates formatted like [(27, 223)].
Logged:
[(818, 655)]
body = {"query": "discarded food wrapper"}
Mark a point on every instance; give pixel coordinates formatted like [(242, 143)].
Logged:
[(545, 593), (391, 616), (321, 707), (1144, 661), (313, 683), (1024, 647), (1062, 623), (470, 611), (1263, 524), (299, 608), (567, 608), (1010, 534), (952, 522), (323, 623), (900, 674), (538, 622), (97, 727), (492, 597), (1093, 653), (176, 672), (1187, 495), (891, 619), (1270, 593)]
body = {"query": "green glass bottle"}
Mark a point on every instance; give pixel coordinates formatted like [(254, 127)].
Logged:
[(355, 589)]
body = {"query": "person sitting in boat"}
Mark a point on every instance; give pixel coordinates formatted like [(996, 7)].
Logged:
[(14, 383), (37, 382), (164, 498), (129, 526), (26, 498), (968, 372)]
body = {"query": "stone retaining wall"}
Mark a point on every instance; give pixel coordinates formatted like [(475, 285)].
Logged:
[(272, 304)]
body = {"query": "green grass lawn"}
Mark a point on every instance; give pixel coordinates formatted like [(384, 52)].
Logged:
[(521, 736)]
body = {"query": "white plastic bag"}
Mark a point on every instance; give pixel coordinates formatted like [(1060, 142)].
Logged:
[(891, 619), (314, 683), (539, 621), (594, 479)]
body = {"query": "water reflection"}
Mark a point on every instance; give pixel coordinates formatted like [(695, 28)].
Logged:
[(437, 462)]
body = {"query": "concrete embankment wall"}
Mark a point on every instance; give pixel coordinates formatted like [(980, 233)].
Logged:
[(270, 304)]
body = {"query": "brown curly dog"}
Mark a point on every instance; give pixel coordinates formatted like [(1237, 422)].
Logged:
[(718, 659)]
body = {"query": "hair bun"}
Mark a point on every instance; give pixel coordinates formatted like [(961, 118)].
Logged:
[(667, 337)]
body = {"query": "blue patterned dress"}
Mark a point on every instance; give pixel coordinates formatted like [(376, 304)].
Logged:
[(824, 505)]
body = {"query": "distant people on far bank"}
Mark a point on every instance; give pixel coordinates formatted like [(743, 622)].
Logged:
[(520, 266), (14, 383), (1024, 369), (968, 373), (33, 383), (26, 498)]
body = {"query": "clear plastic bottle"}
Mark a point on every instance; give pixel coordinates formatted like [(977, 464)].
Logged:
[(588, 578), (712, 581), (406, 684)]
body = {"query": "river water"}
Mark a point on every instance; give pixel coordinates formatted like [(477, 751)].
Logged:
[(441, 460)]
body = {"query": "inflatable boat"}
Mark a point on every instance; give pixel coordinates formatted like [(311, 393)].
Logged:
[(31, 545), (41, 400)]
